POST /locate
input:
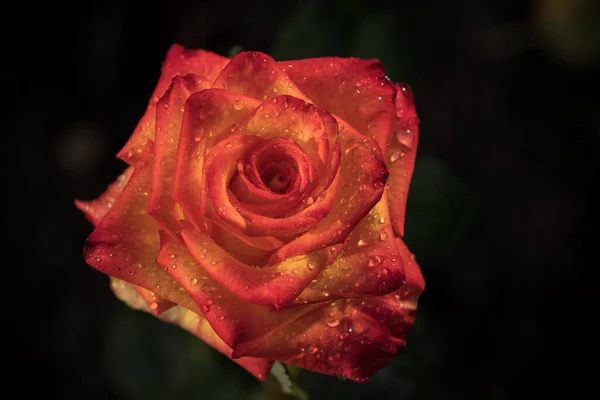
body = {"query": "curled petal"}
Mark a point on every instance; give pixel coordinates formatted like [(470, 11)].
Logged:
[(370, 263), (400, 156), (191, 322), (233, 319), (169, 116), (95, 210), (350, 338), (125, 243), (207, 113), (363, 176), (358, 91), (276, 285), (139, 298), (179, 61), (255, 74)]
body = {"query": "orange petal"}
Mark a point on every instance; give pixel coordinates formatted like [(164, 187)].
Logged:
[(363, 176), (179, 61), (355, 90), (400, 156), (125, 243), (95, 210), (233, 319), (370, 263), (191, 322), (139, 298), (276, 285), (169, 116), (256, 75), (349, 338), (207, 113)]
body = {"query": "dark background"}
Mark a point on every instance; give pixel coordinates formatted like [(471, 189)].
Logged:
[(508, 97)]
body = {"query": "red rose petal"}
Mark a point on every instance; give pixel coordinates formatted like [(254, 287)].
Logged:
[(169, 116), (370, 264), (355, 90), (207, 113), (349, 338), (276, 285), (125, 243), (256, 75), (193, 323), (95, 210), (233, 319), (363, 176), (400, 156), (179, 61)]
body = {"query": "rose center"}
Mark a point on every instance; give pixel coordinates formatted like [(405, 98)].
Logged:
[(276, 176)]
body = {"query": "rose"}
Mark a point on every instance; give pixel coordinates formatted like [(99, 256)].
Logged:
[(263, 210)]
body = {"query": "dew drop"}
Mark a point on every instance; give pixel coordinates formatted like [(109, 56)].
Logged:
[(97, 259), (194, 282), (238, 105), (312, 350), (333, 323), (206, 288), (374, 261), (404, 137), (171, 256), (174, 266), (154, 306), (361, 243), (383, 236), (312, 265), (395, 156), (229, 145), (381, 220)]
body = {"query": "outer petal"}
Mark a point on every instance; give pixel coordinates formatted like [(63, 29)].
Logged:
[(169, 116), (276, 285), (350, 338), (125, 243), (369, 265), (255, 74), (179, 61), (363, 176), (356, 90), (191, 322), (400, 156), (95, 210), (235, 321)]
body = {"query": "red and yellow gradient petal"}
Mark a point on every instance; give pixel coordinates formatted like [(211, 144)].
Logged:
[(370, 263), (169, 116), (275, 285), (233, 319), (356, 90), (95, 210), (256, 75), (179, 61), (400, 156), (349, 338), (363, 176), (193, 323), (207, 113), (126, 242)]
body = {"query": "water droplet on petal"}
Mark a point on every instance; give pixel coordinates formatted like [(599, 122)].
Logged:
[(174, 266), (333, 323), (383, 236), (395, 156), (194, 282), (361, 243), (404, 136), (238, 105), (312, 265), (153, 306), (229, 145), (206, 288), (381, 220), (374, 261), (312, 350), (171, 256)]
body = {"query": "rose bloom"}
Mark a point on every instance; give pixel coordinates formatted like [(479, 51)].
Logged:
[(263, 210)]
